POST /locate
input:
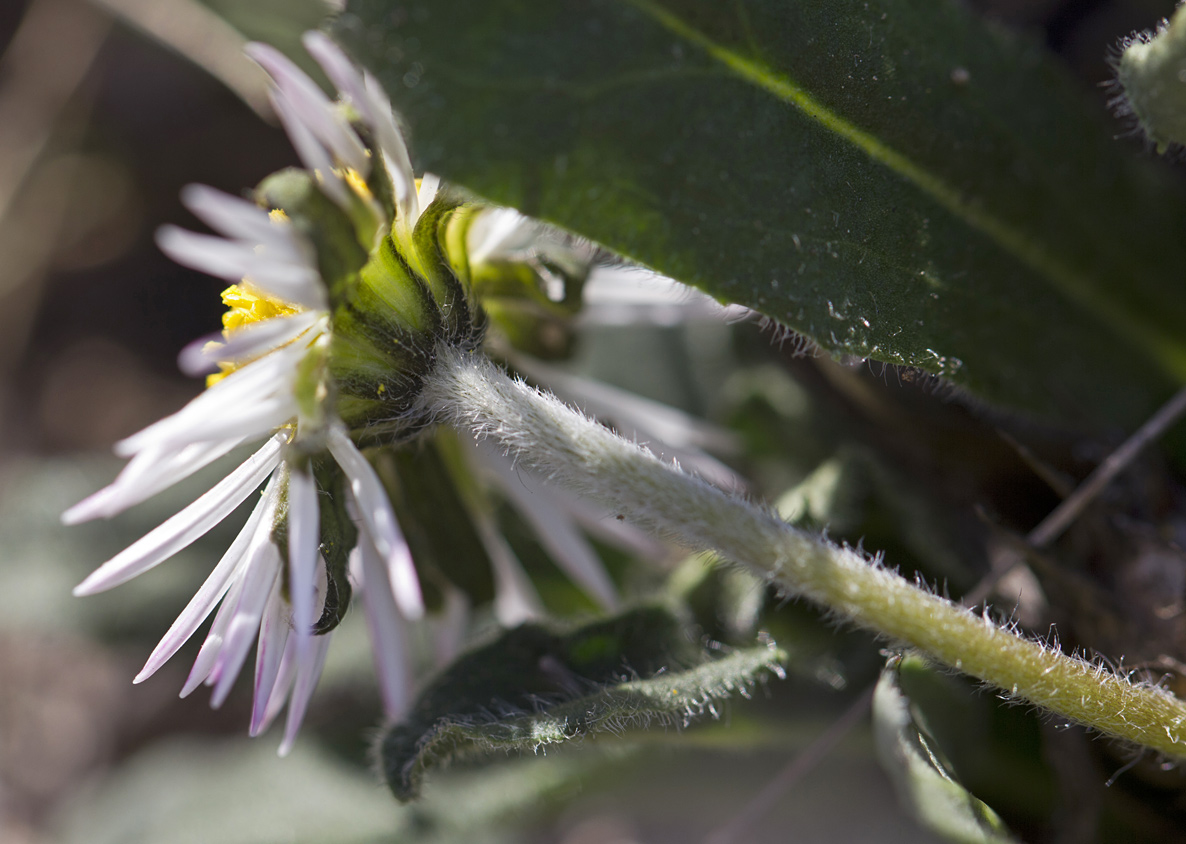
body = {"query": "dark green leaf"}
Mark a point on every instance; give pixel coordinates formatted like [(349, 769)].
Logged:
[(926, 785), (533, 687), (895, 179)]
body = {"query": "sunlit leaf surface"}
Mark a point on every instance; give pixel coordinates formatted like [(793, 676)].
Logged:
[(896, 180)]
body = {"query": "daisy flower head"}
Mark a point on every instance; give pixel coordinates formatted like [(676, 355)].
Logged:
[(347, 277), (342, 285)]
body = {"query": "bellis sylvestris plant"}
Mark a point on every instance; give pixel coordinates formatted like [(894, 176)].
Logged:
[(324, 345), (359, 321)]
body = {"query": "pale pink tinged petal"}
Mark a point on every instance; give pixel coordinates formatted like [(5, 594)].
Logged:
[(602, 524), (216, 256), (182, 529), (312, 107), (233, 216), (374, 508), (308, 673), (275, 271), (208, 654), (273, 639), (304, 530), (280, 263), (260, 575), (318, 115), (311, 152), (281, 688), (389, 637), (148, 473), (340, 70), (215, 587), (669, 425), (563, 542), (515, 598), (265, 376), (395, 151), (203, 355)]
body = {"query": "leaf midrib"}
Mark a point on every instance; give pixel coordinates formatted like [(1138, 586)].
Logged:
[(1165, 350)]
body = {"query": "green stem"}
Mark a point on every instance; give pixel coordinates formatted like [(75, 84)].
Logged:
[(542, 433)]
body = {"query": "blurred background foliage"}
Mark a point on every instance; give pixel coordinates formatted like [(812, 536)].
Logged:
[(106, 110)]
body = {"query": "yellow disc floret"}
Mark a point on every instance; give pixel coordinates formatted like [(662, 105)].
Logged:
[(357, 184), (246, 305)]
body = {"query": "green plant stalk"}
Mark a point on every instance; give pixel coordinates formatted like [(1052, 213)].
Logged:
[(471, 393)]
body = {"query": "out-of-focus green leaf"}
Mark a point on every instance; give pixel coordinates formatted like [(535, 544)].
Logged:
[(533, 687), (926, 786), (895, 179)]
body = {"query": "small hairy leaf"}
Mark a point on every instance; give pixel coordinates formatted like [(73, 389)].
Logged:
[(922, 776), (897, 180), (534, 686)]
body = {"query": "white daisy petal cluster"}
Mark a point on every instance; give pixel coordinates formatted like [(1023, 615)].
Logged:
[(271, 593)]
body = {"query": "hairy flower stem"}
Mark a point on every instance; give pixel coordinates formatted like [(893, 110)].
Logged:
[(539, 431)]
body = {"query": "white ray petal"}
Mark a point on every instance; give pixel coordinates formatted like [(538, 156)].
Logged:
[(273, 639), (308, 673), (208, 253), (374, 508), (515, 598), (388, 634), (231, 402), (430, 183), (291, 283), (148, 473), (602, 524), (257, 419), (311, 106), (214, 588), (182, 529), (395, 151), (304, 530), (556, 531), (631, 295), (203, 355), (240, 219), (493, 228), (260, 575), (314, 156), (449, 627), (669, 425), (275, 273), (340, 70)]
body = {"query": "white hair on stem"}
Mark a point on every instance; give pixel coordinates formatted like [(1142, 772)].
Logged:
[(471, 393)]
